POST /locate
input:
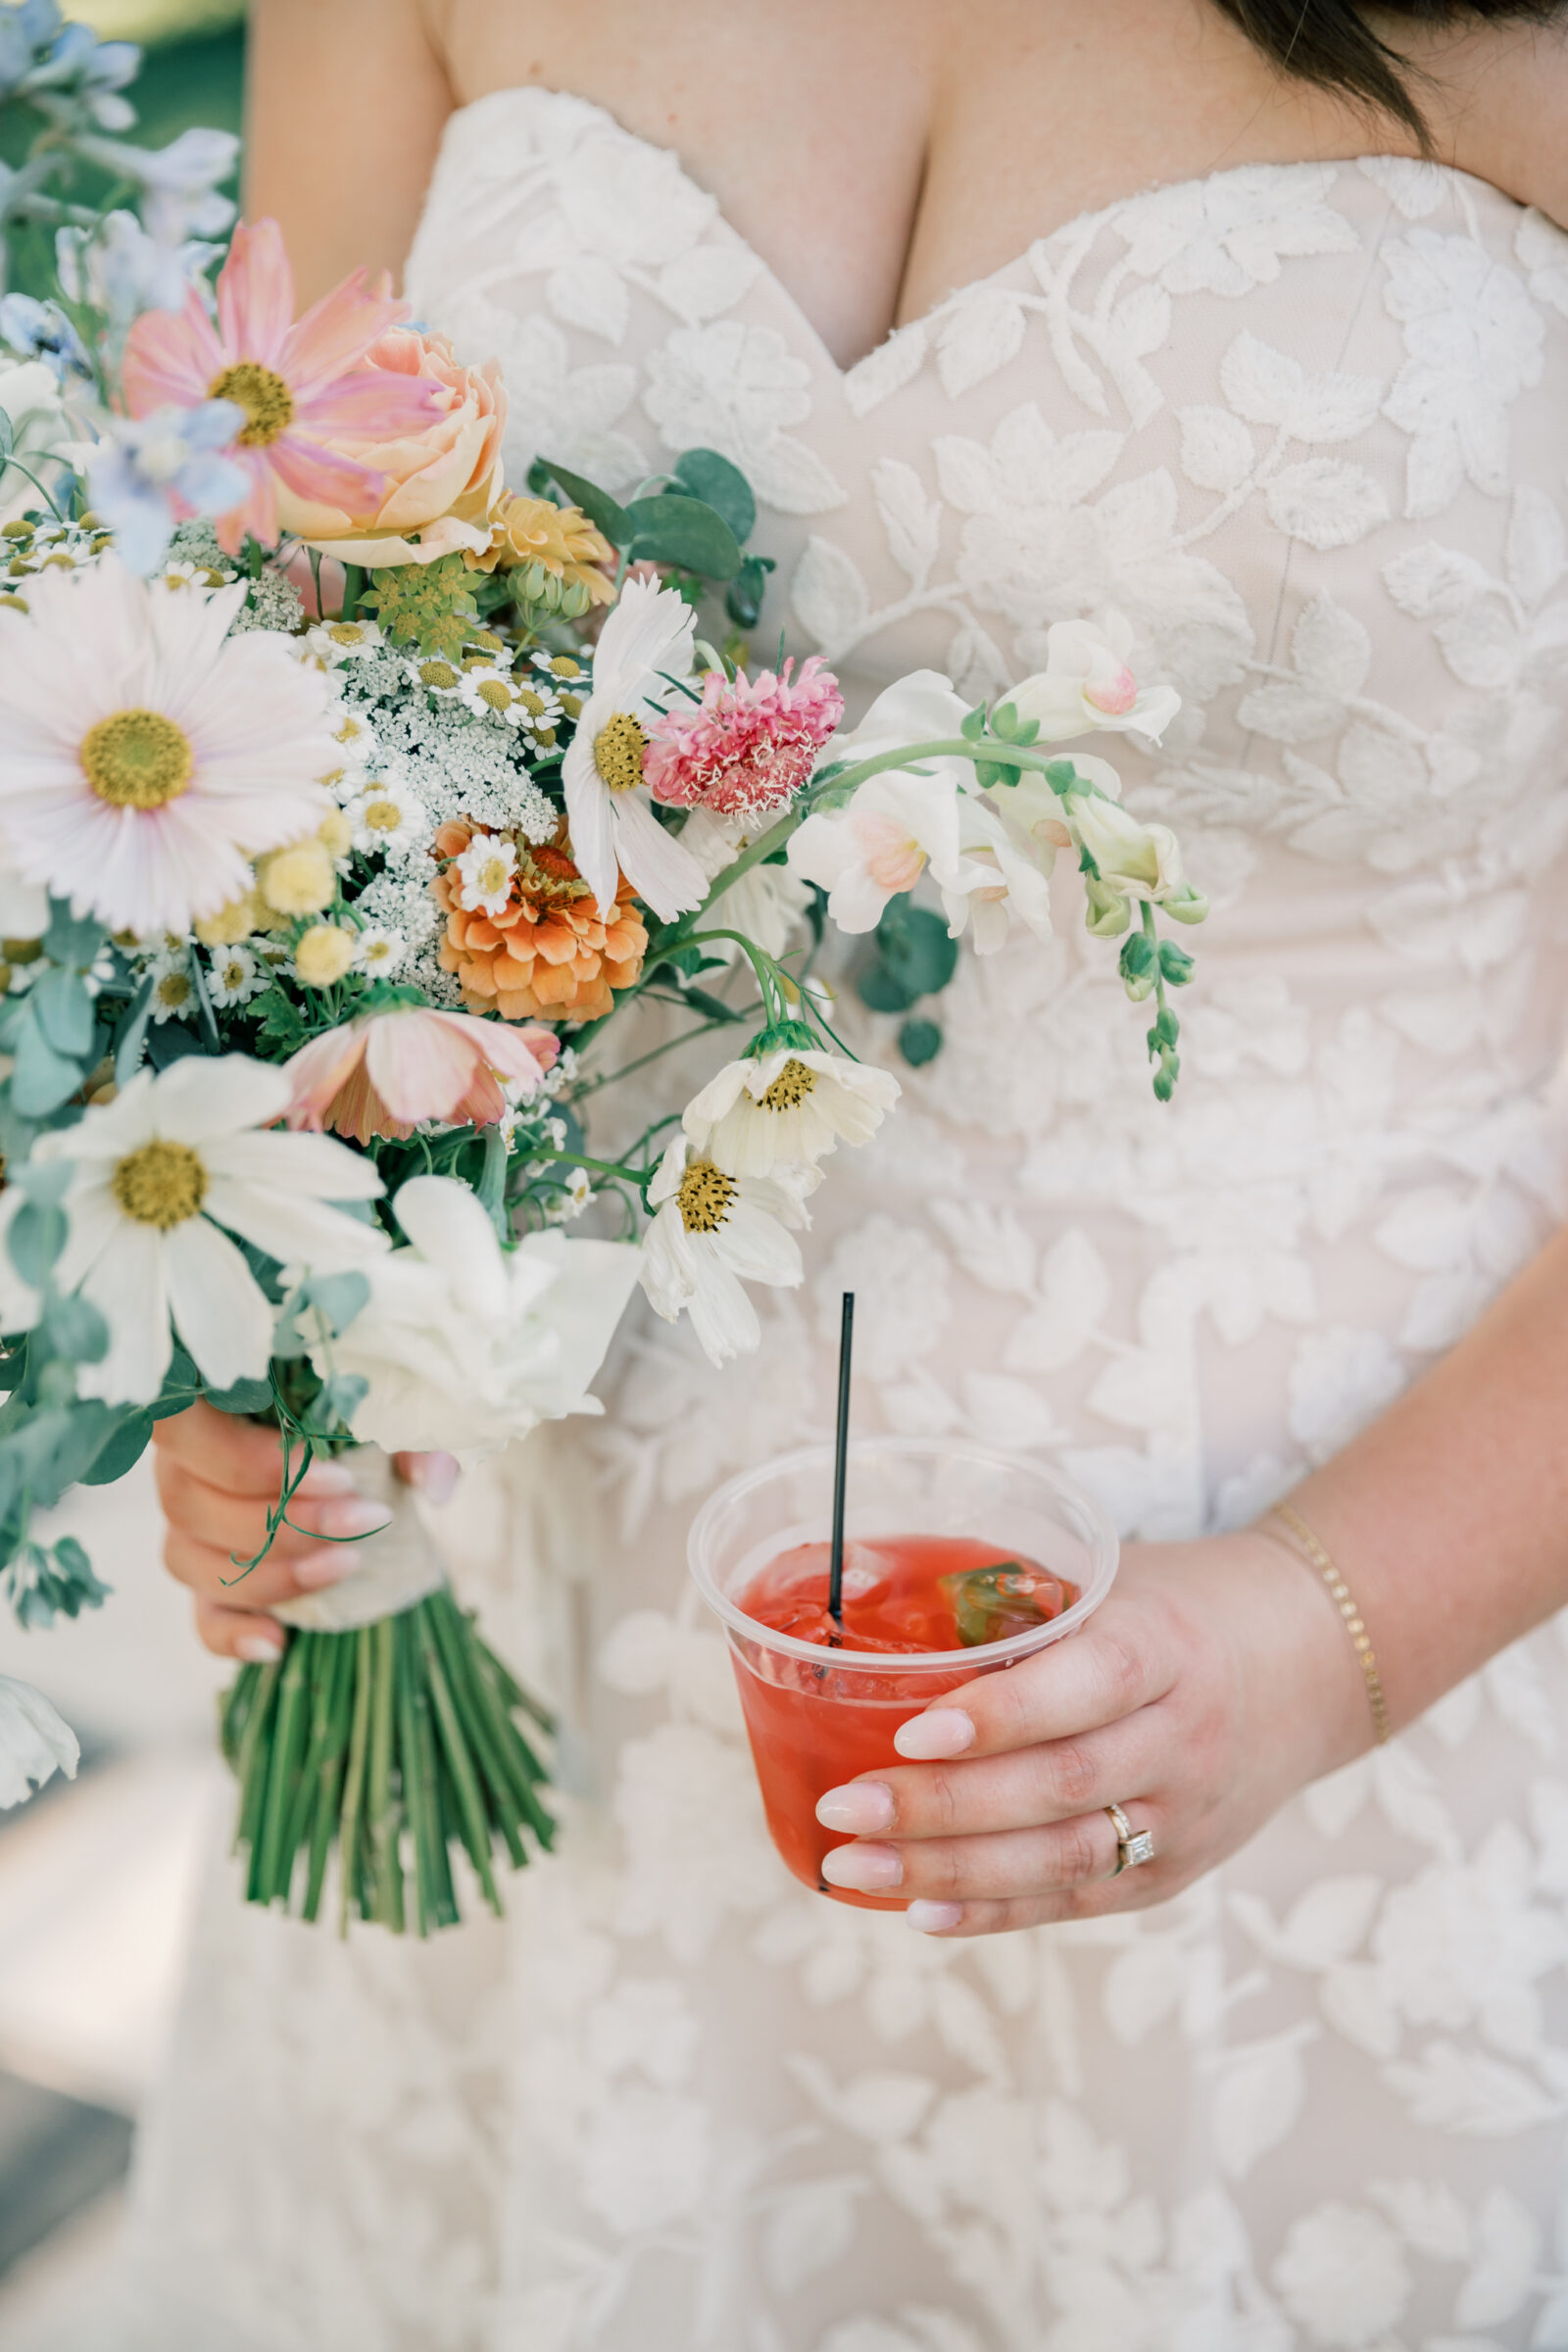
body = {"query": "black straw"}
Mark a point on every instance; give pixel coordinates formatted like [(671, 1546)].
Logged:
[(841, 1463)]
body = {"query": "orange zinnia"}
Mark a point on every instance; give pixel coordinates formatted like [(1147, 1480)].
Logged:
[(547, 956)]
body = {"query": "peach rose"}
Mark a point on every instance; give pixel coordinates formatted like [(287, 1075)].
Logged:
[(439, 484)]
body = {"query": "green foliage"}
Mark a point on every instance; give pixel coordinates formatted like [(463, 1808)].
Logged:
[(428, 605), (705, 474), (602, 510), (919, 1042), (681, 530)]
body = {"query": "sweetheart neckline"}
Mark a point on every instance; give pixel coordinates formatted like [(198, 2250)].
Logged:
[(843, 377)]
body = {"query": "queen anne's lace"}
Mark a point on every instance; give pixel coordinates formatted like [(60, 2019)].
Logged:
[(1302, 425)]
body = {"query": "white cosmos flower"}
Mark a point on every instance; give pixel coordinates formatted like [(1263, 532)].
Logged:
[(154, 1175), (144, 752), (467, 1346), (1086, 684), (646, 641), (712, 1234), (777, 1110), (33, 1742)]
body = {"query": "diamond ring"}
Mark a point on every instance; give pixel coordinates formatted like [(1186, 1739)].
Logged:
[(1132, 1846)]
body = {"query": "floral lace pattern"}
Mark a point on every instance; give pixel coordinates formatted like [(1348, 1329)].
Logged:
[(1302, 424)]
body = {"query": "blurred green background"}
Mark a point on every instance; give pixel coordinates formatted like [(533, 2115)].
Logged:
[(193, 71)]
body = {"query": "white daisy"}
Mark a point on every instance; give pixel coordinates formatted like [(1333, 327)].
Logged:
[(234, 975), (388, 814), (173, 989), (488, 867), (154, 1176), (646, 641), (488, 691), (336, 642), (145, 754), (436, 675), (355, 739), (775, 1110), (380, 952), (712, 1234)]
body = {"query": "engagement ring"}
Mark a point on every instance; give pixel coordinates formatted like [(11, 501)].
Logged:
[(1132, 1846)]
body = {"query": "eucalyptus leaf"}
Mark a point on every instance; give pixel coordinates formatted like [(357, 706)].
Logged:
[(915, 947), (41, 1079), (598, 505), (721, 485), (919, 1042), (743, 600), (339, 1298), (72, 939), (34, 1239), (62, 1009), (684, 532), (245, 1396), (170, 1042), (73, 1326), (877, 987), (122, 1451)]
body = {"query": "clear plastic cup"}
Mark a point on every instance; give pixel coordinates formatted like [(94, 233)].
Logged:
[(817, 1717)]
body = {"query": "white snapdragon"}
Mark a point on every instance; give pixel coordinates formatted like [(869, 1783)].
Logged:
[(777, 1111), (880, 844), (1087, 686), (712, 1234), (766, 902)]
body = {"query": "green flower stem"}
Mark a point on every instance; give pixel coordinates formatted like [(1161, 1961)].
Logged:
[(763, 965), (349, 1859), (352, 590)]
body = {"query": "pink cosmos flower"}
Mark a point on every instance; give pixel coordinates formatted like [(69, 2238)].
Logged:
[(299, 383), (382, 1073), (749, 746)]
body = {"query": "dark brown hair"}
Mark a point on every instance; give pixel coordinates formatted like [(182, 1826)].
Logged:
[(1330, 42)]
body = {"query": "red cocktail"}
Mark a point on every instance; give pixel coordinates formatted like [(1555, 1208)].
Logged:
[(958, 1562)]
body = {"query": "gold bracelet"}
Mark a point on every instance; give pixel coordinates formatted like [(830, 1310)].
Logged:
[(1345, 1602)]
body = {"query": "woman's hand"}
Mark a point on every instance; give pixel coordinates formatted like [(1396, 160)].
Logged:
[(216, 1479), (1213, 1683)]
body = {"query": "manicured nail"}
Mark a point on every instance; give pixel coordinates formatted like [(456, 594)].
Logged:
[(327, 1478), (357, 1516), (328, 1566), (436, 1476), (930, 1919), (940, 1732), (257, 1650), (862, 1806), (868, 1869)]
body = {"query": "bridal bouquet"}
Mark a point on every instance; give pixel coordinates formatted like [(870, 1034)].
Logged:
[(349, 798)]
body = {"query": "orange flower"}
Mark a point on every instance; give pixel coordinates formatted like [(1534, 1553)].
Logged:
[(547, 955), (560, 539)]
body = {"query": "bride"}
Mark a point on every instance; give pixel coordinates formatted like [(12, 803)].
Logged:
[(1228, 356)]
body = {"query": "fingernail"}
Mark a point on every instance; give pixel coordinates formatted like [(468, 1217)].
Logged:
[(327, 1478), (941, 1731), (359, 1516), (868, 1869), (436, 1476), (327, 1566), (257, 1649), (861, 1806), (929, 1919)]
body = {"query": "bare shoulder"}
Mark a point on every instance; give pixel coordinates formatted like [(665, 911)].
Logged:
[(1496, 99)]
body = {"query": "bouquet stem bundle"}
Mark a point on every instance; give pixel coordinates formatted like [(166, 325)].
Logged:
[(396, 1742)]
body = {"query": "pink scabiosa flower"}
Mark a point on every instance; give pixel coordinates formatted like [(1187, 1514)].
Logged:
[(299, 383), (749, 746), (384, 1072)]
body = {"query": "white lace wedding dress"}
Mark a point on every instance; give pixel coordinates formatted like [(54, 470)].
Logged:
[(1306, 427)]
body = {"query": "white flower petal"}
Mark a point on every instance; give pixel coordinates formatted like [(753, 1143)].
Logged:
[(757, 1247), (664, 874), (198, 1098), (126, 1286), (292, 1227), (34, 1741), (296, 1163), (224, 1320), (590, 820)]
